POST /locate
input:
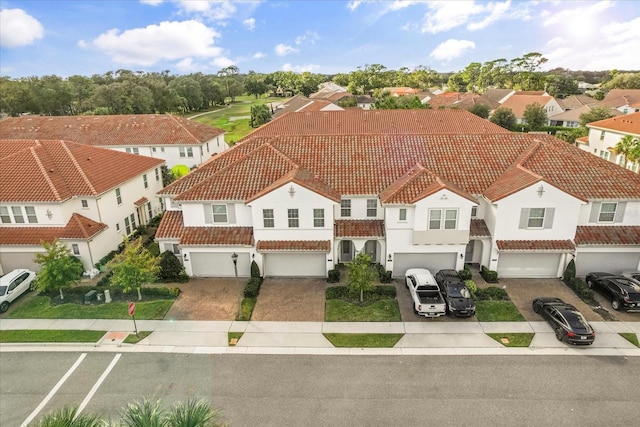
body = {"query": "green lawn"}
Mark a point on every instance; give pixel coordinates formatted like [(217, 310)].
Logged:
[(39, 307), (52, 335), (631, 337), (364, 340), (515, 339), (497, 311), (337, 310), (135, 339)]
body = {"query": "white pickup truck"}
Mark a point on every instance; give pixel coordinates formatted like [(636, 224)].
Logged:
[(427, 299)]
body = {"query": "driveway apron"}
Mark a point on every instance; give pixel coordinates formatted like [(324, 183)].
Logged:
[(207, 299), (291, 300)]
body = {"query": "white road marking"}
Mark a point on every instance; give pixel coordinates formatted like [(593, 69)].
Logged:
[(97, 384), (53, 391)]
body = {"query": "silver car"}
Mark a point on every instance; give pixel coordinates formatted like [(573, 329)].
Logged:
[(14, 284)]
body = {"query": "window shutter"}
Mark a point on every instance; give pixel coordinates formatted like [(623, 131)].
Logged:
[(524, 217), (620, 212), (231, 213), (595, 211), (548, 217), (208, 213)]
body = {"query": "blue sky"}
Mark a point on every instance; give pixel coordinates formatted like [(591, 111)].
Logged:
[(92, 37)]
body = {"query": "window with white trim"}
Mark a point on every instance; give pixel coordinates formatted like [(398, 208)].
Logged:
[(607, 212), (175, 248), (117, 226), (267, 218), (5, 218), (157, 175), (402, 214), (536, 218), (443, 219), (133, 150), (186, 151), (372, 208), (75, 249), (345, 208), (17, 214), (31, 214), (318, 217), (474, 211), (294, 219), (133, 221), (127, 225), (84, 203), (118, 196), (145, 181), (219, 213), (602, 135)]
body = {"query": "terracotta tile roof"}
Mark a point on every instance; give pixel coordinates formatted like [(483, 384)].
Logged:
[(518, 103), (577, 101), (479, 228), (211, 236), (497, 95), (373, 228), (124, 130), (607, 235), (401, 91), (57, 170), (171, 225), (294, 245), (584, 140), (319, 105), (141, 201), (337, 96), (78, 228), (620, 97), (536, 245), (626, 123), (366, 163)]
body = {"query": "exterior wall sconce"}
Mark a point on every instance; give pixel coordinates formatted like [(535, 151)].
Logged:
[(540, 190), (461, 256), (49, 214), (389, 258), (186, 256), (253, 256), (292, 191)]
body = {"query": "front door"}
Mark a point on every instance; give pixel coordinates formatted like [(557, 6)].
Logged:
[(346, 252)]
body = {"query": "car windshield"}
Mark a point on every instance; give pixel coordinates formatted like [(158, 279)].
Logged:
[(458, 291), (576, 320), (3, 290)]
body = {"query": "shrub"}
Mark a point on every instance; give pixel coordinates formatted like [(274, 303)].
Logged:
[(581, 289), (492, 293), (108, 257), (183, 277), (337, 292), (170, 267), (255, 270), (155, 221), (465, 274), (569, 272), (104, 281), (334, 276), (154, 249), (489, 276), (384, 275), (160, 291), (384, 291), (252, 288), (471, 285)]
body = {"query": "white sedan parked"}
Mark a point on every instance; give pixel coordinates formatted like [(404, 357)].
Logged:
[(14, 284)]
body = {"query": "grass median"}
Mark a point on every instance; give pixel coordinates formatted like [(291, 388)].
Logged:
[(363, 340), (50, 335), (514, 339), (337, 310)]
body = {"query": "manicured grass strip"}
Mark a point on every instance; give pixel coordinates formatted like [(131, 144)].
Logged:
[(40, 307), (236, 336), (631, 337), (380, 311), (133, 339), (50, 335), (248, 304), (497, 311), (364, 340), (514, 340)]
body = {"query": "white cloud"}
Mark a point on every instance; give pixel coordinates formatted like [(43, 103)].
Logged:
[(284, 49), (446, 15), (300, 68), (250, 23), (223, 62), (353, 5), (17, 28), (309, 36), (151, 2), (451, 49), (259, 55), (580, 13), (186, 65), (496, 11), (165, 41)]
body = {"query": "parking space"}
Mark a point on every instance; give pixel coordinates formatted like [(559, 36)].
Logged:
[(207, 299), (621, 315), (291, 300), (405, 302)]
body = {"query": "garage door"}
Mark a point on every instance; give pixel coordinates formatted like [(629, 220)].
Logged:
[(528, 265), (295, 265), (13, 260), (432, 262), (612, 262), (217, 264)]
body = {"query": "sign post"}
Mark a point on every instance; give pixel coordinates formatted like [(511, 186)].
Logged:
[(132, 312)]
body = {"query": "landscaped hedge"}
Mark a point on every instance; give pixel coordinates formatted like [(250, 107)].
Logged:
[(492, 293), (489, 276), (465, 274), (384, 275), (252, 288), (333, 276), (336, 292), (581, 289), (376, 293), (114, 291)]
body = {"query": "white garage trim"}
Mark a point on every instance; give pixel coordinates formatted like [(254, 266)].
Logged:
[(14, 260), (218, 264), (529, 265), (431, 261), (295, 264), (611, 262)]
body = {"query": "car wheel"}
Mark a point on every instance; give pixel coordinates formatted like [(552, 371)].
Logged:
[(4, 307), (536, 308), (559, 334), (615, 304)]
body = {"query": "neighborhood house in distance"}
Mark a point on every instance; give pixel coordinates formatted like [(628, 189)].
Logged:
[(411, 188)]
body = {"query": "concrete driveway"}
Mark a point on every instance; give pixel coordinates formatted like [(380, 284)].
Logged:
[(207, 299), (621, 315), (405, 302), (291, 300)]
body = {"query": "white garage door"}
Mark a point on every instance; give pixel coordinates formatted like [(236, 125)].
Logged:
[(217, 264), (611, 262), (14, 260), (528, 265), (295, 265), (432, 262)]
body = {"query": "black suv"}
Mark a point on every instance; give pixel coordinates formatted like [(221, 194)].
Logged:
[(456, 294), (567, 322), (623, 292)]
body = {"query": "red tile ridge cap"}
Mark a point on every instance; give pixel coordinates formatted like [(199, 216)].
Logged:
[(79, 168), (185, 129), (411, 175), (52, 187)]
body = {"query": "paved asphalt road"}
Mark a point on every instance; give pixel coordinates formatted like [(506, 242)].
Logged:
[(267, 390)]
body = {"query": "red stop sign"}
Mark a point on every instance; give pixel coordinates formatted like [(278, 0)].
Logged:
[(132, 308)]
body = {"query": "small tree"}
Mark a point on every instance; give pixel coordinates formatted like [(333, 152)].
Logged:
[(595, 114), (627, 147), (260, 115), (535, 116), (504, 117), (59, 267), (255, 270), (133, 267), (480, 110), (361, 274), (167, 176), (170, 267), (570, 271)]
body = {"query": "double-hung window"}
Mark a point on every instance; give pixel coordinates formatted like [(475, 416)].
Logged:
[(186, 152), (31, 214), (219, 213), (294, 219), (372, 208), (443, 219), (318, 217), (118, 196), (157, 175), (345, 208), (607, 212), (5, 218), (145, 181), (17, 214), (536, 218), (402, 214), (267, 218)]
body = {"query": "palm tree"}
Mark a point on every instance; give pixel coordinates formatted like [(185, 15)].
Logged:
[(626, 147), (68, 417), (144, 413)]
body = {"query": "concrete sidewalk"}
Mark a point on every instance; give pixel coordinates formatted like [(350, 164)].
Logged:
[(307, 337)]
